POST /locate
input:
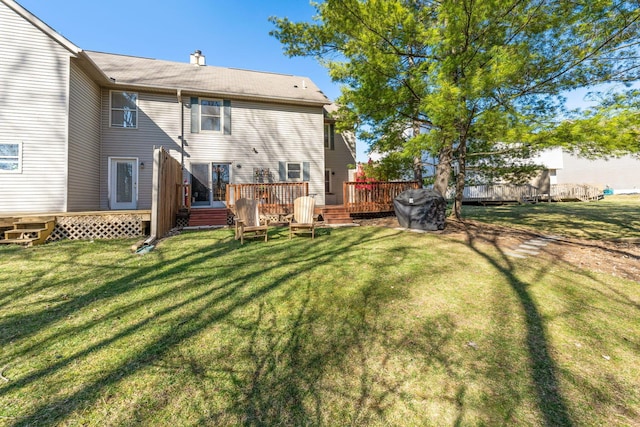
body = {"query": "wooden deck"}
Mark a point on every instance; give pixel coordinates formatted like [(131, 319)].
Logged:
[(374, 196), (89, 224), (275, 198), (510, 193), (575, 192), (501, 193)]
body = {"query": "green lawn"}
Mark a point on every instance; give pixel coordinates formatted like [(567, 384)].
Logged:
[(362, 326), (610, 218)]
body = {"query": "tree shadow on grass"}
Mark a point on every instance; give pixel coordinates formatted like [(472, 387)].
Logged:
[(298, 365), (542, 367), (595, 220), (209, 299)]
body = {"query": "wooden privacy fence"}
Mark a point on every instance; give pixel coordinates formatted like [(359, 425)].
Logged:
[(166, 193), (374, 196), (275, 198)]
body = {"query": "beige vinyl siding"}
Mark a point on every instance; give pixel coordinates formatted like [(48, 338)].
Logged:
[(338, 160), (84, 142), (34, 71), (158, 126), (278, 132)]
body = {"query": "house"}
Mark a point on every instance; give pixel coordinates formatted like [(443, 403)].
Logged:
[(339, 148), (78, 128), (620, 175)]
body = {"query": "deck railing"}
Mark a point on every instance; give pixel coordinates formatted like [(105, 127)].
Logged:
[(374, 196), (503, 193), (500, 193), (583, 192), (275, 198)]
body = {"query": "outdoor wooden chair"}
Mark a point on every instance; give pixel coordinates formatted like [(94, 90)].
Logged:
[(302, 220), (249, 222)]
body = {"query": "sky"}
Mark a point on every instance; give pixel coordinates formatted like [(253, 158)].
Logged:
[(230, 33)]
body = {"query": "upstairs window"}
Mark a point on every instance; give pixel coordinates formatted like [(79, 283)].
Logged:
[(211, 115), (124, 109), (10, 158), (329, 136)]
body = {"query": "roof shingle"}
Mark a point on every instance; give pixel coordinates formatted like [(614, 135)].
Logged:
[(216, 81)]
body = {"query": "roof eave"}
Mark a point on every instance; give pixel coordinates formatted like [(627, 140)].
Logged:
[(218, 94)]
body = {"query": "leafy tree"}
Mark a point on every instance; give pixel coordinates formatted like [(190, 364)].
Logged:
[(610, 128), (393, 167), (468, 81)]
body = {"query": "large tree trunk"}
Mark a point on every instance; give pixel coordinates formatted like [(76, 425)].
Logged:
[(443, 170), (417, 169), (417, 160)]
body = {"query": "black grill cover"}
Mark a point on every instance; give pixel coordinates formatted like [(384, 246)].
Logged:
[(421, 209)]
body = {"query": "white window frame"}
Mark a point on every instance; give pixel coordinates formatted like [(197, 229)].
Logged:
[(220, 115), (299, 171), (112, 109), (329, 135), (9, 159)]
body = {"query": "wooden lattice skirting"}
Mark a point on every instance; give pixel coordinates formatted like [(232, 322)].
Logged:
[(182, 222), (98, 226)]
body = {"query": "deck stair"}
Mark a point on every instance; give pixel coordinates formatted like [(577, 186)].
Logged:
[(29, 231), (207, 216), (6, 223), (335, 214)]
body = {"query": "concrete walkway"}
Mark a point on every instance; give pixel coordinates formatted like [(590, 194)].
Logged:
[(531, 247)]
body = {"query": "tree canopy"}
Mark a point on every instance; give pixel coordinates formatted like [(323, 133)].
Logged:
[(475, 83)]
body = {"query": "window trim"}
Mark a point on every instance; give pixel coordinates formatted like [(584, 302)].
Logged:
[(18, 158), (220, 115), (300, 171), (112, 109), (329, 136)]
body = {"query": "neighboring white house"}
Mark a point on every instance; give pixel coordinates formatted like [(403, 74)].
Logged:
[(78, 128), (622, 175)]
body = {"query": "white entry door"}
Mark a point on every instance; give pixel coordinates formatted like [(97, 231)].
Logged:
[(123, 183)]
